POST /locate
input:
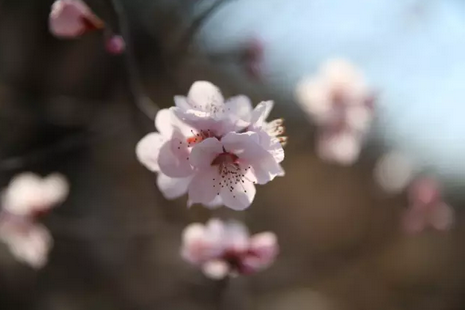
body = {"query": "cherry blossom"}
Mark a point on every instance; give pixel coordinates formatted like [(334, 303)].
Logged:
[(230, 168), (72, 18), (340, 103), (214, 150), (27, 197), (226, 249), (427, 209), (393, 172)]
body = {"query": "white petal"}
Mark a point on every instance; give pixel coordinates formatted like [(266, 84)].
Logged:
[(163, 122), (204, 185), (393, 172), (237, 236), (56, 189), (261, 113), (216, 269), (171, 164), (238, 196), (239, 106), (172, 188), (182, 102), (442, 217), (30, 245), (205, 95), (265, 247), (215, 203), (205, 152), (342, 148), (148, 150), (359, 118)]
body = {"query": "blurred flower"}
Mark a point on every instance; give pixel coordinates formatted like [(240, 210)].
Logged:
[(427, 209), (393, 172), (214, 150), (340, 103), (223, 249), (115, 45), (253, 57), (27, 197), (72, 18)]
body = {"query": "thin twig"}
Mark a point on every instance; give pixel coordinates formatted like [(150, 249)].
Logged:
[(143, 102), (222, 290)]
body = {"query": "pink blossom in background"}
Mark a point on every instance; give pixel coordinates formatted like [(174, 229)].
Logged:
[(253, 58), (340, 103), (115, 45), (427, 209), (393, 172), (225, 249), (215, 149), (27, 197), (72, 18)]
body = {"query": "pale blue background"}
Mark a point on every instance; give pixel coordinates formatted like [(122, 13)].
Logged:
[(412, 51)]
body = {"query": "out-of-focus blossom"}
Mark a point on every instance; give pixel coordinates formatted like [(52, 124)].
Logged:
[(27, 197), (224, 249), (252, 57), (393, 172), (340, 103), (217, 149), (72, 18), (427, 209), (115, 44)]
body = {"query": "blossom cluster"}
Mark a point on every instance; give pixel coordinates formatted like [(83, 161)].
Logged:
[(71, 19), (212, 149), (427, 208), (340, 103), (221, 249), (27, 198)]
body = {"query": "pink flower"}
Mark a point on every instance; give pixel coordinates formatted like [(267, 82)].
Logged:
[(427, 208), (27, 197), (72, 18), (222, 249), (230, 168), (340, 103), (253, 57), (204, 139), (115, 45)]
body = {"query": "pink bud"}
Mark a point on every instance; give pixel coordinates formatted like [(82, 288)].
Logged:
[(72, 18), (115, 45)]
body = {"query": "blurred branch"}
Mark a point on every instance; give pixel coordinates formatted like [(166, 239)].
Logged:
[(222, 290), (186, 40), (143, 102)]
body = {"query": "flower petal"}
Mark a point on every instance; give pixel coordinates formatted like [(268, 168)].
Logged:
[(205, 152), (265, 247), (414, 220), (204, 185), (173, 165), (163, 122), (442, 217), (246, 146), (239, 106), (205, 96), (172, 188), (148, 150), (216, 269), (236, 237), (261, 113), (238, 196)]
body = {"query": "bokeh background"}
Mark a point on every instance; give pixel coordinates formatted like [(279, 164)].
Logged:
[(69, 106)]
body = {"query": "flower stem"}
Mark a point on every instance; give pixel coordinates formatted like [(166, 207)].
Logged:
[(222, 290)]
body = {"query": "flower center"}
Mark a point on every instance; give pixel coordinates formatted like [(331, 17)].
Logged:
[(224, 159), (199, 137)]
